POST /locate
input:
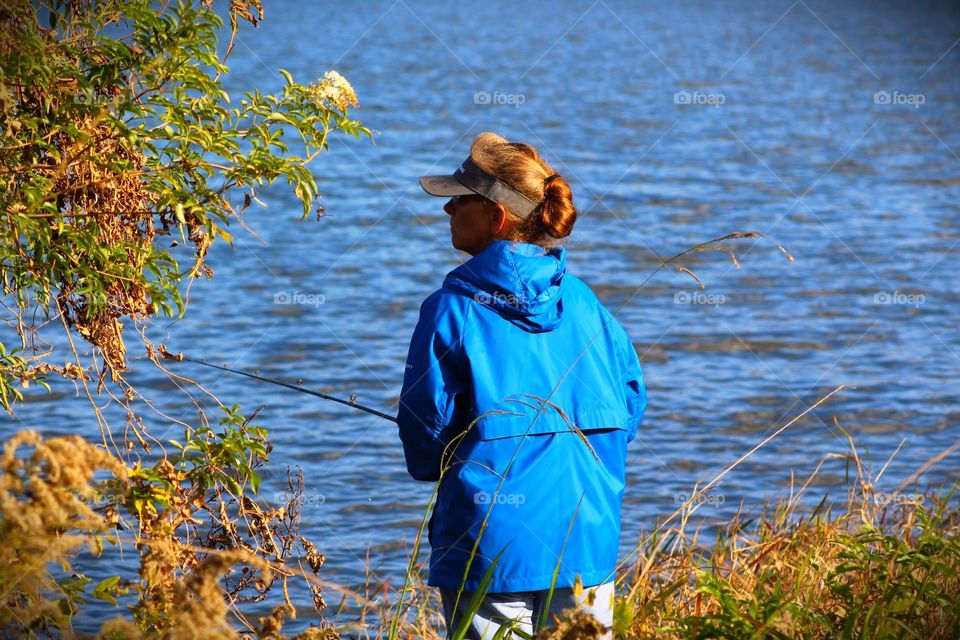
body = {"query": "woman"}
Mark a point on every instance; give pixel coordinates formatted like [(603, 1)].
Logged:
[(520, 395)]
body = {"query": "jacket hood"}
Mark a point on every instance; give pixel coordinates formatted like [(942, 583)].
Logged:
[(522, 282)]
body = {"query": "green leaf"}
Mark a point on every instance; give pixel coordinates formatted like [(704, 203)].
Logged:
[(232, 485), (106, 589)]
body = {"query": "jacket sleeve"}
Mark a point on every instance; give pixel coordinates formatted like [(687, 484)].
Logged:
[(636, 391), (632, 378), (434, 376)]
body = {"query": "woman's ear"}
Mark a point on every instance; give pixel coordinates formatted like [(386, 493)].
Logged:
[(498, 218)]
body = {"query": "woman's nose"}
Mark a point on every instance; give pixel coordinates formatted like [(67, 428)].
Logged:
[(449, 207)]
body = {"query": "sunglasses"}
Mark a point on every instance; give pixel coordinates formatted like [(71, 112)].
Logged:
[(457, 200)]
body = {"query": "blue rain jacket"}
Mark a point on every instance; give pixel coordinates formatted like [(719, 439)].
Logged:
[(507, 327)]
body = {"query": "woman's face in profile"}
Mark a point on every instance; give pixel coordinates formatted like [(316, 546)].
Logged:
[(470, 223)]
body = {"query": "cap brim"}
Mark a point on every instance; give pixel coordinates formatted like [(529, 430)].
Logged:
[(444, 186)]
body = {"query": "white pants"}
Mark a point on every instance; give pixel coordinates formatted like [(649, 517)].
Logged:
[(525, 607)]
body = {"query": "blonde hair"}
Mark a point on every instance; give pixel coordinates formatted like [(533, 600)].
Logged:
[(519, 165)]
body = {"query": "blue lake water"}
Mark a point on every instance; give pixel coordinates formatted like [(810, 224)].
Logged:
[(674, 123)]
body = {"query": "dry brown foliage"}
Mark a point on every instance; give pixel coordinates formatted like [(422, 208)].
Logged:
[(46, 489)]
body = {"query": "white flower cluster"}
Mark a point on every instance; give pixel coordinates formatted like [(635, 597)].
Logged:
[(333, 90)]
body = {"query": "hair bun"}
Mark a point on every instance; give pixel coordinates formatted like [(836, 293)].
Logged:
[(557, 213)]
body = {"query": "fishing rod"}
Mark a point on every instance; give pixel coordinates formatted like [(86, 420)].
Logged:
[(350, 403)]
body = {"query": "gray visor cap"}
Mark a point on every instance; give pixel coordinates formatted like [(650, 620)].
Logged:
[(470, 179)]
